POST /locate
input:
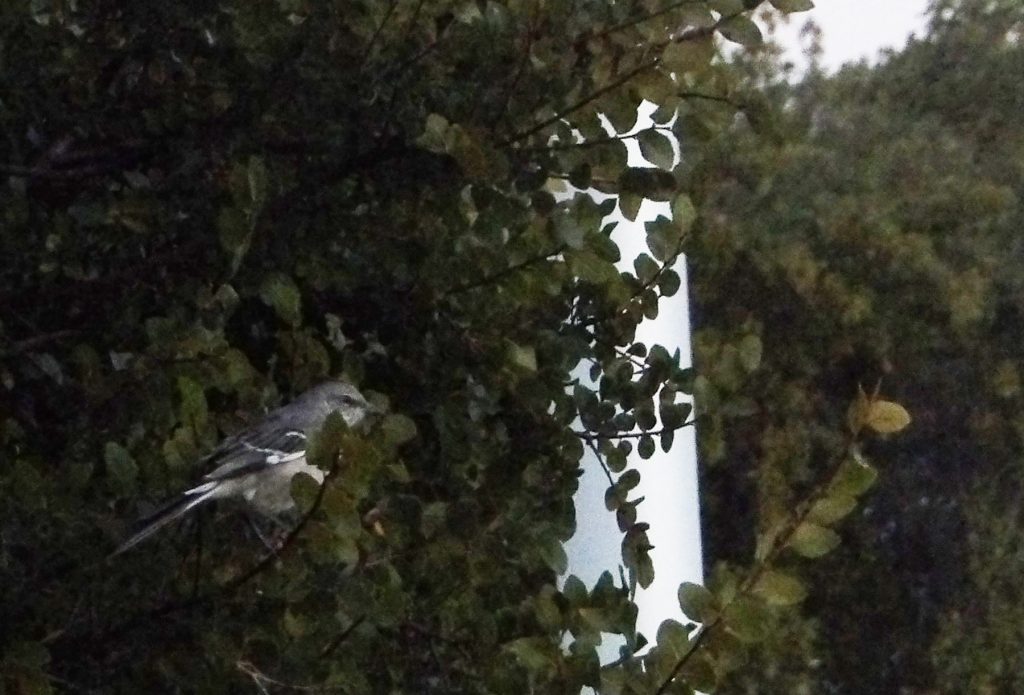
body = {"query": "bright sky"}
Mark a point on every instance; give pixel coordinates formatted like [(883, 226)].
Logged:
[(852, 29), (856, 29)]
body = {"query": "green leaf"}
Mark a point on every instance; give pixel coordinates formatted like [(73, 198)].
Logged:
[(588, 266), (780, 589), (613, 498), (235, 231), (747, 618), (629, 204), (663, 238), (570, 231), (646, 268), (644, 569), (788, 6), (397, 429), (684, 214), (665, 439), (295, 625), (726, 7), (742, 30), (656, 148), (646, 447), (673, 637), (811, 540), (580, 176), (554, 555), (831, 509), (673, 415), (532, 652), (688, 56), (697, 603), (750, 350), (574, 590), (304, 490), (854, 479), (435, 134), (629, 479), (279, 292), (669, 282), (699, 674), (326, 444), (194, 409)]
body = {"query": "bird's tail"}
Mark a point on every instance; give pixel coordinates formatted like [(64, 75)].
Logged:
[(171, 511)]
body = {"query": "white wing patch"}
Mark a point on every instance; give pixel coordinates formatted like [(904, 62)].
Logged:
[(200, 489), (275, 456)]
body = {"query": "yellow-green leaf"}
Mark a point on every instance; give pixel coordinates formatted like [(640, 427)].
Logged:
[(780, 589), (886, 417), (831, 509), (811, 540), (523, 356)]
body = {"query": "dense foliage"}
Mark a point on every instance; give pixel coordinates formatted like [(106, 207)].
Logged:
[(877, 236), (208, 207)]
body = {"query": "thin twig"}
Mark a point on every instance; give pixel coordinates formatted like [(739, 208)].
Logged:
[(636, 20), (590, 436), (505, 272), (260, 679), (604, 467), (687, 35), (595, 142), (333, 644), (593, 96), (666, 266), (376, 35)]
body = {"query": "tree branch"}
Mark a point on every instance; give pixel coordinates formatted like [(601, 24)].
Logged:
[(778, 545), (583, 144), (376, 35), (637, 20), (490, 279), (593, 96), (691, 34), (591, 436)]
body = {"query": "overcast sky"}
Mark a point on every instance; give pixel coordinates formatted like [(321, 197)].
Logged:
[(856, 29)]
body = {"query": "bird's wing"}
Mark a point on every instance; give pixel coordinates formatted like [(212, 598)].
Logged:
[(255, 449)]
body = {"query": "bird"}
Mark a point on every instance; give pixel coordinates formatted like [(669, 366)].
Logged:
[(258, 463)]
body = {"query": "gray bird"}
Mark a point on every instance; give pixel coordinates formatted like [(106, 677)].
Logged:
[(258, 463)]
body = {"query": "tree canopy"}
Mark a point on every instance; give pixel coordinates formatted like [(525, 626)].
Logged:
[(208, 208), (876, 236)]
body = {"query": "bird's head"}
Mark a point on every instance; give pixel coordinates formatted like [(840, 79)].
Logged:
[(343, 397)]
